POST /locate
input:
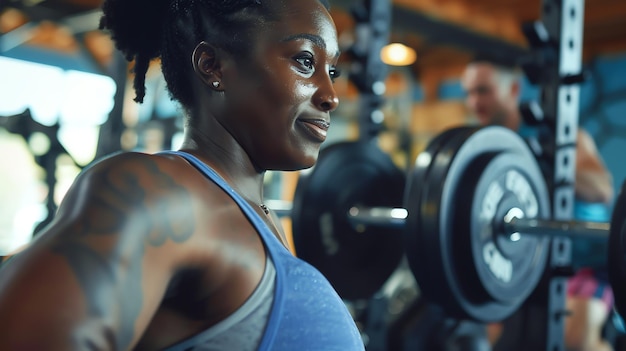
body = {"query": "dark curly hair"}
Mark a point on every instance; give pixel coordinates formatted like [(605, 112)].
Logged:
[(144, 30)]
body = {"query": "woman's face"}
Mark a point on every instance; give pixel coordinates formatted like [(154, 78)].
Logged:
[(278, 100)]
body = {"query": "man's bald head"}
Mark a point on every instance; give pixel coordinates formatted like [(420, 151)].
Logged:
[(492, 93)]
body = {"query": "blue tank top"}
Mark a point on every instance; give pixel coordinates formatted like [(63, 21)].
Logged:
[(307, 313), (591, 252)]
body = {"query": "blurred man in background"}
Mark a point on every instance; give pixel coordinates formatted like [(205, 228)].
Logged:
[(492, 97)]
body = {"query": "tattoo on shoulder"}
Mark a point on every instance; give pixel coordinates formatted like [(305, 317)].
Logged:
[(124, 203), (145, 207)]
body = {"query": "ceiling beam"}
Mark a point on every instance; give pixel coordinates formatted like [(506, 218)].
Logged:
[(440, 32)]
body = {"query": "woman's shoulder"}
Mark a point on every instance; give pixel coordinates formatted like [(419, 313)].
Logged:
[(123, 160), (158, 197), (141, 169), (130, 180)]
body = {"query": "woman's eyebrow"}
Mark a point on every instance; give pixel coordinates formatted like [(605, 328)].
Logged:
[(315, 39)]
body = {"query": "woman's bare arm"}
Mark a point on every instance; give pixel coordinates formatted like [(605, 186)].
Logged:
[(94, 277), (593, 181)]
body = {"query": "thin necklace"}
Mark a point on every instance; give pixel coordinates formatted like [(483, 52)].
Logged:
[(271, 219)]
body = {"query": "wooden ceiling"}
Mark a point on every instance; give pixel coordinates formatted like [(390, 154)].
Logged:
[(439, 45), (604, 20)]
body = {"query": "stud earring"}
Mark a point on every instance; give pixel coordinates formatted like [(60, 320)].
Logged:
[(216, 84)]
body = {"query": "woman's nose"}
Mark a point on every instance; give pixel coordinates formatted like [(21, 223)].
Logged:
[(326, 98)]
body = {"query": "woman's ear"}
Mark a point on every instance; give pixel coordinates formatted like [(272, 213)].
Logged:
[(206, 64)]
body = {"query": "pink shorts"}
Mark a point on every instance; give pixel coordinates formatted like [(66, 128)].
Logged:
[(588, 283)]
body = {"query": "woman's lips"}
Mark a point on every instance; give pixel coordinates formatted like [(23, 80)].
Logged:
[(317, 128)]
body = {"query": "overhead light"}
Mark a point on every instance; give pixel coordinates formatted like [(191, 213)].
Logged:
[(396, 54)]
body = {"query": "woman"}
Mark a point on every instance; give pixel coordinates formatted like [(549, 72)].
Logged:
[(176, 250)]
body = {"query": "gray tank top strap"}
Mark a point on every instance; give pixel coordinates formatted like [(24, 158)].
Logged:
[(242, 330)]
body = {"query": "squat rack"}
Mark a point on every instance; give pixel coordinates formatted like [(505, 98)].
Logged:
[(555, 64)]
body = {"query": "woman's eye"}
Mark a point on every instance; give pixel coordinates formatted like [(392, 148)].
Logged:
[(334, 73), (306, 61)]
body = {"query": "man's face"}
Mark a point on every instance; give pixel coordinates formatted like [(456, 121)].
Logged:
[(485, 98)]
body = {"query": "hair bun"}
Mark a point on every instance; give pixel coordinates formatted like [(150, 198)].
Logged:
[(136, 26)]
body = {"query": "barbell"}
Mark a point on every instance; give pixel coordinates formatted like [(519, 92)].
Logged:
[(472, 218), (513, 223)]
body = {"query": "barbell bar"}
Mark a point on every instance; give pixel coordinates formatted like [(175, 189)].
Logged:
[(513, 223)]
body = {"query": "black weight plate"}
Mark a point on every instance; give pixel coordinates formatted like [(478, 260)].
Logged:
[(442, 258), (433, 248), (356, 262), (617, 252), (416, 176), (418, 243)]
